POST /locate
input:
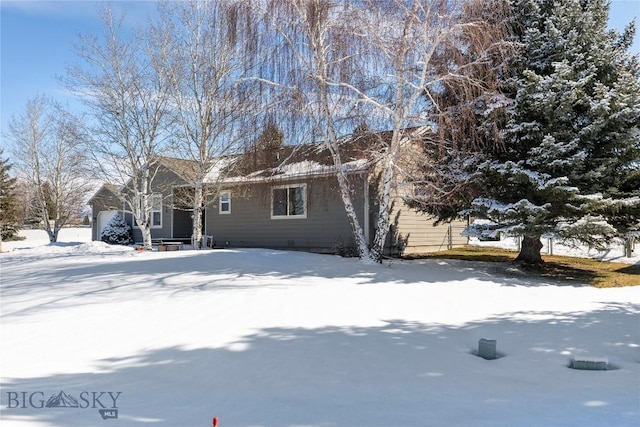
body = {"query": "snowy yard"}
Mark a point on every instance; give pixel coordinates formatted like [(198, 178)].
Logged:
[(270, 338)]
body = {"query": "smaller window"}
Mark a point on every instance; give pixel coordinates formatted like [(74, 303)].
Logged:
[(225, 203), (156, 210)]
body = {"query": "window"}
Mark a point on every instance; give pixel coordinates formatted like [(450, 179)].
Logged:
[(156, 210), (224, 204), (289, 201)]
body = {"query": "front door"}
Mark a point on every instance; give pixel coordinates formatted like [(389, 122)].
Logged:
[(182, 224)]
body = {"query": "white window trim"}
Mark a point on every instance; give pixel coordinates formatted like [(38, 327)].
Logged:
[(135, 223), (228, 202), (304, 199), (153, 196)]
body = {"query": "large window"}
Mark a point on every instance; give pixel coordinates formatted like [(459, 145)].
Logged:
[(289, 201), (224, 204)]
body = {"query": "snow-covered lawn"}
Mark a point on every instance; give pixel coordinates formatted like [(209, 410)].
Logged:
[(270, 338)]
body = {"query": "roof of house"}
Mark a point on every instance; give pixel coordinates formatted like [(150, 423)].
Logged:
[(111, 188), (302, 169), (187, 169), (358, 154), (294, 161)]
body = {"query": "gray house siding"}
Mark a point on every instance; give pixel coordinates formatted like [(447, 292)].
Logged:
[(250, 222), (163, 183), (413, 233)]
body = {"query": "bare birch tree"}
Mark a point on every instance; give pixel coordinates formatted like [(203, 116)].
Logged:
[(48, 146), (373, 62), (427, 46), (314, 53), (208, 54), (121, 82)]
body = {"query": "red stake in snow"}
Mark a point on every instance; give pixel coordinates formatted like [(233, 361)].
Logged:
[(215, 421)]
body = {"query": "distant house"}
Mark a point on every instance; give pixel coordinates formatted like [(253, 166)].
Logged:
[(273, 203)]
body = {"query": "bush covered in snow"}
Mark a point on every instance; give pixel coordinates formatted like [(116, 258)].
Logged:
[(117, 232)]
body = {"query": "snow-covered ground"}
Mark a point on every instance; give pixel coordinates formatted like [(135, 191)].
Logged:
[(270, 338)]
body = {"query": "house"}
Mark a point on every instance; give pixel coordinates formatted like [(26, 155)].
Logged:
[(171, 218), (273, 203)]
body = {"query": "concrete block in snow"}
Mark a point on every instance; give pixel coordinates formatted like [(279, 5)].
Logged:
[(487, 349)]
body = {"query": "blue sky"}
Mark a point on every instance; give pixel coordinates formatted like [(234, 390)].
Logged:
[(37, 40)]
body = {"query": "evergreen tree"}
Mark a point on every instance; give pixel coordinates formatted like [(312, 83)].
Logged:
[(266, 147), (9, 204), (117, 232), (569, 166)]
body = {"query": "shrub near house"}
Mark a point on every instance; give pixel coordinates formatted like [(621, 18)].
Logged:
[(117, 232)]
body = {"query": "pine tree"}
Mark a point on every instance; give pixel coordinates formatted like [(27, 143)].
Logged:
[(9, 204), (572, 138), (264, 149), (117, 232)]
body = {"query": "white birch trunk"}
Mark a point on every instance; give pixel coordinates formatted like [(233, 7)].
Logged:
[(146, 237), (345, 192), (197, 213), (356, 229), (53, 232), (320, 53), (388, 177), (148, 202), (51, 235), (384, 201), (146, 226), (142, 204)]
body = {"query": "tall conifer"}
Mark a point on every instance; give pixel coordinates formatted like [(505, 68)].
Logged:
[(572, 137), (9, 205)]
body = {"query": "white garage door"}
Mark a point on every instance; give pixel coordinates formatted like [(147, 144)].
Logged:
[(103, 219)]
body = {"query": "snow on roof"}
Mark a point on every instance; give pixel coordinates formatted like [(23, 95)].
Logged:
[(220, 167), (302, 169)]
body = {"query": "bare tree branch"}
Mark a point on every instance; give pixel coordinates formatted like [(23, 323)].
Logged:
[(121, 82), (48, 146)]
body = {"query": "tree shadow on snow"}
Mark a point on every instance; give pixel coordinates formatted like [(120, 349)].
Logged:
[(399, 373), (111, 275)]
